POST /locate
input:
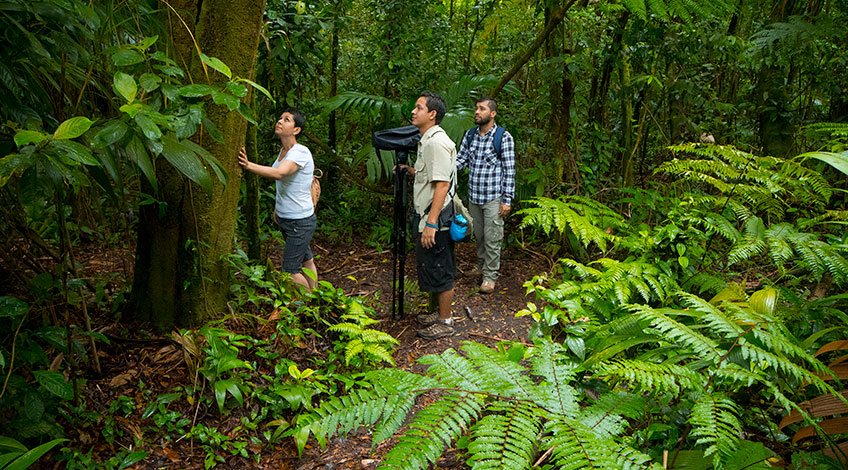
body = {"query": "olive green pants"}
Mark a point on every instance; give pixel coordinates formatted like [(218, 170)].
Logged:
[(488, 231)]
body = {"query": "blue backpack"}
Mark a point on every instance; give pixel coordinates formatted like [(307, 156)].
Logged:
[(497, 142)]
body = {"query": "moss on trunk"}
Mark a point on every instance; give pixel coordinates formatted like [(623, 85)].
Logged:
[(181, 270)]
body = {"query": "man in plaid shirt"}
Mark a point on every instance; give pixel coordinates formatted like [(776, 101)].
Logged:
[(491, 187)]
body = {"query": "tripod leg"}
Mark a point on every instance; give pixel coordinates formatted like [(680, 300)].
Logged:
[(402, 241)]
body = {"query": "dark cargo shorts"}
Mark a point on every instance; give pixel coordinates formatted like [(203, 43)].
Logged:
[(436, 266)]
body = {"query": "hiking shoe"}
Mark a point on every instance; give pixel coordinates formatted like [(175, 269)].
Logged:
[(437, 330), (487, 287), (427, 319)]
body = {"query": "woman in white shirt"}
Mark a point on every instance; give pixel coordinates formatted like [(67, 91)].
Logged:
[(293, 210)]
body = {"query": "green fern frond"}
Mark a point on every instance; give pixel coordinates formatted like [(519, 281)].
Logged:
[(394, 415), (628, 458), (764, 359), (506, 438), (575, 446), (827, 129), (434, 428), (719, 322), (346, 328), (505, 377), (704, 282), (554, 392), (454, 370), (354, 348), (585, 218), (672, 330), (379, 353), (340, 415), (715, 424), (629, 405), (761, 185), (377, 108), (712, 223), (651, 377), (624, 279), (378, 337)]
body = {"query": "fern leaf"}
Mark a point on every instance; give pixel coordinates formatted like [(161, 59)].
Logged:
[(433, 429), (379, 353), (554, 393), (454, 370), (396, 410), (650, 377), (506, 438), (715, 423), (574, 446), (505, 377), (673, 330), (353, 349)]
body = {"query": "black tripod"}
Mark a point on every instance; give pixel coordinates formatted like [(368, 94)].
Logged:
[(399, 236), (403, 141)]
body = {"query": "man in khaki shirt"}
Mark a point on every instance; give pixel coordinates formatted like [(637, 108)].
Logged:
[(433, 172)]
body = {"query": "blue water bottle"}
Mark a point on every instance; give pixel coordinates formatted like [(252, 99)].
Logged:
[(458, 228)]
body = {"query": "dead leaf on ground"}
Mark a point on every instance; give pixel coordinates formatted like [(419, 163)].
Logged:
[(124, 378)]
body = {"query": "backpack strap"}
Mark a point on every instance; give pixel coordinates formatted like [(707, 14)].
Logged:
[(469, 136), (497, 141)]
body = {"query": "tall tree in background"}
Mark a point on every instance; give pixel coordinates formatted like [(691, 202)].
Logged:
[(180, 273)]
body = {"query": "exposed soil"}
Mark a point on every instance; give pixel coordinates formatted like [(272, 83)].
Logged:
[(360, 271)]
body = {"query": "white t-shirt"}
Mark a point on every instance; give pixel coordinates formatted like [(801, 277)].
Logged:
[(294, 199)]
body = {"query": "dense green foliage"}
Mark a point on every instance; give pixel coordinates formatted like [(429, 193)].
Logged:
[(692, 282)]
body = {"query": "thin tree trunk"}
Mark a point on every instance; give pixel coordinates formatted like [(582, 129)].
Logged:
[(556, 18), (251, 203)]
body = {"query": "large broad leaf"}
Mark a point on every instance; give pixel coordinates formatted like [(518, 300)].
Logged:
[(749, 456), (28, 137), (210, 160), (125, 86), (186, 161), (149, 81), (125, 57), (231, 102), (31, 456), (136, 152), (75, 151), (217, 64), (13, 164), (111, 133), (11, 307), (836, 160), (150, 129), (689, 460), (8, 444), (258, 87), (54, 383), (764, 300), (196, 90)]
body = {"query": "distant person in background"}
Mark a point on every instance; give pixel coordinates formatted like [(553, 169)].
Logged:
[(294, 212), (488, 152), (435, 168)]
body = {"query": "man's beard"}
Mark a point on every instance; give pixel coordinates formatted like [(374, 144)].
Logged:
[(482, 121)]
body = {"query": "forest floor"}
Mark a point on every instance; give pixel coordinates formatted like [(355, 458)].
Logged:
[(137, 367)]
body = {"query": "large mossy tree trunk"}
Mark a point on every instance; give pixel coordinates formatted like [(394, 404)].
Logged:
[(181, 275)]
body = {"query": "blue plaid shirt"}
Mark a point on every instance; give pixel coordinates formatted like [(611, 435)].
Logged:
[(490, 177)]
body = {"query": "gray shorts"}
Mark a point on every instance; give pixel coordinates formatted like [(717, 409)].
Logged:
[(298, 234)]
